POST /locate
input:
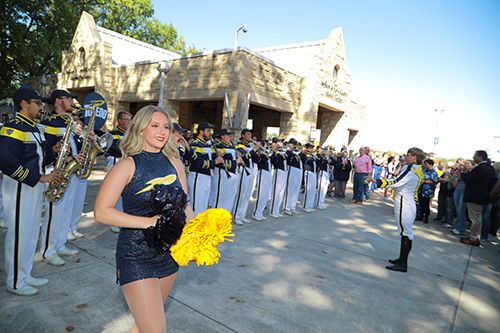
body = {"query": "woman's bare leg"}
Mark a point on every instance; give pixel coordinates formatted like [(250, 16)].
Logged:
[(134, 294), (144, 298)]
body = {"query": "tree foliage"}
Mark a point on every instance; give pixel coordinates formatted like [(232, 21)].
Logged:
[(33, 33)]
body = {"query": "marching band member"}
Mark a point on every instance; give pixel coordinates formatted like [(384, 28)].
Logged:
[(225, 176), (249, 155), (22, 153), (407, 185), (185, 151), (200, 171), (114, 154), (263, 183), (81, 189), (293, 179), (309, 162), (56, 220), (278, 161), (322, 165)]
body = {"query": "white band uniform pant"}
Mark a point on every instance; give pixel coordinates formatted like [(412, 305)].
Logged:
[(323, 182), (263, 190), (277, 190), (293, 182), (81, 192), (243, 194), (309, 189), (23, 211), (57, 220), (110, 163), (225, 189), (2, 213), (198, 191)]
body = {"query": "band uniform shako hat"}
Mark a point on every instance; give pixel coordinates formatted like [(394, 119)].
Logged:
[(61, 93), (25, 93), (293, 141), (203, 126), (308, 145), (225, 131), (276, 140), (178, 128), (245, 130)]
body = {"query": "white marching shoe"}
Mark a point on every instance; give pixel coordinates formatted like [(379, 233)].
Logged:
[(71, 237), (23, 291), (68, 252), (238, 222), (274, 216), (257, 218), (54, 260), (34, 282)]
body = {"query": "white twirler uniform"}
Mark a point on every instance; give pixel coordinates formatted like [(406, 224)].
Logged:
[(405, 208)]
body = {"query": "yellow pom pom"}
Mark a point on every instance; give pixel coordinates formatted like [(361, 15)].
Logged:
[(200, 237)]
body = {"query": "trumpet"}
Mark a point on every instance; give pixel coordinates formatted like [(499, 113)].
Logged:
[(266, 151)]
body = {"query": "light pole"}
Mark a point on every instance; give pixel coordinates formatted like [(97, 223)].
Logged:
[(436, 138), (245, 30)]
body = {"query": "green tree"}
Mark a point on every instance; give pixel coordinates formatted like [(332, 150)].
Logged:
[(135, 18), (33, 33)]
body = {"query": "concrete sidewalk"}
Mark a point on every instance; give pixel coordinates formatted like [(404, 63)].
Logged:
[(318, 272)]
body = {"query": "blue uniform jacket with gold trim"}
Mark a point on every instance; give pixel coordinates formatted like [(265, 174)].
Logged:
[(293, 159), (118, 133), (309, 161), (21, 150), (323, 162), (202, 158), (247, 153), (228, 153), (56, 127), (278, 160)]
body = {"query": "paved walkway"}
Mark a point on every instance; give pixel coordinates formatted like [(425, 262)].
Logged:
[(318, 272)]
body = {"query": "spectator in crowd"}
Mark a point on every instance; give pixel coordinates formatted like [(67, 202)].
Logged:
[(342, 169), (392, 165), (450, 205), (428, 188), (362, 168), (378, 165), (495, 208), (458, 196), (366, 190), (477, 192)]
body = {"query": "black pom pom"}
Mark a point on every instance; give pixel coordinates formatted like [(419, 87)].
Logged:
[(169, 202)]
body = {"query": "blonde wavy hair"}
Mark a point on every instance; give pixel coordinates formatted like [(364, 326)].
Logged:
[(133, 142)]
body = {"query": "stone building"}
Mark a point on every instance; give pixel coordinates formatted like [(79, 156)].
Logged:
[(303, 89)]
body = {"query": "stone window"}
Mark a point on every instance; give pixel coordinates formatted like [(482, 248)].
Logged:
[(335, 73), (82, 55)]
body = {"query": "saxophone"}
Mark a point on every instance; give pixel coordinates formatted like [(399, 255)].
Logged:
[(55, 192), (91, 150)]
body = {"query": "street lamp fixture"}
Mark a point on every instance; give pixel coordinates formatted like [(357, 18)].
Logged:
[(245, 30), (436, 138)]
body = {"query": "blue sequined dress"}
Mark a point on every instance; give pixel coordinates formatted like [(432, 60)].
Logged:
[(134, 259)]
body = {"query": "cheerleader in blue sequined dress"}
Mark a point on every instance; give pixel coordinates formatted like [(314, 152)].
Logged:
[(145, 275)]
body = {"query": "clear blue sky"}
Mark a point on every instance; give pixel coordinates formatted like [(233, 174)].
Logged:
[(407, 59)]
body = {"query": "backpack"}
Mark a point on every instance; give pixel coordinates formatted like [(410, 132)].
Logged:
[(495, 191)]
